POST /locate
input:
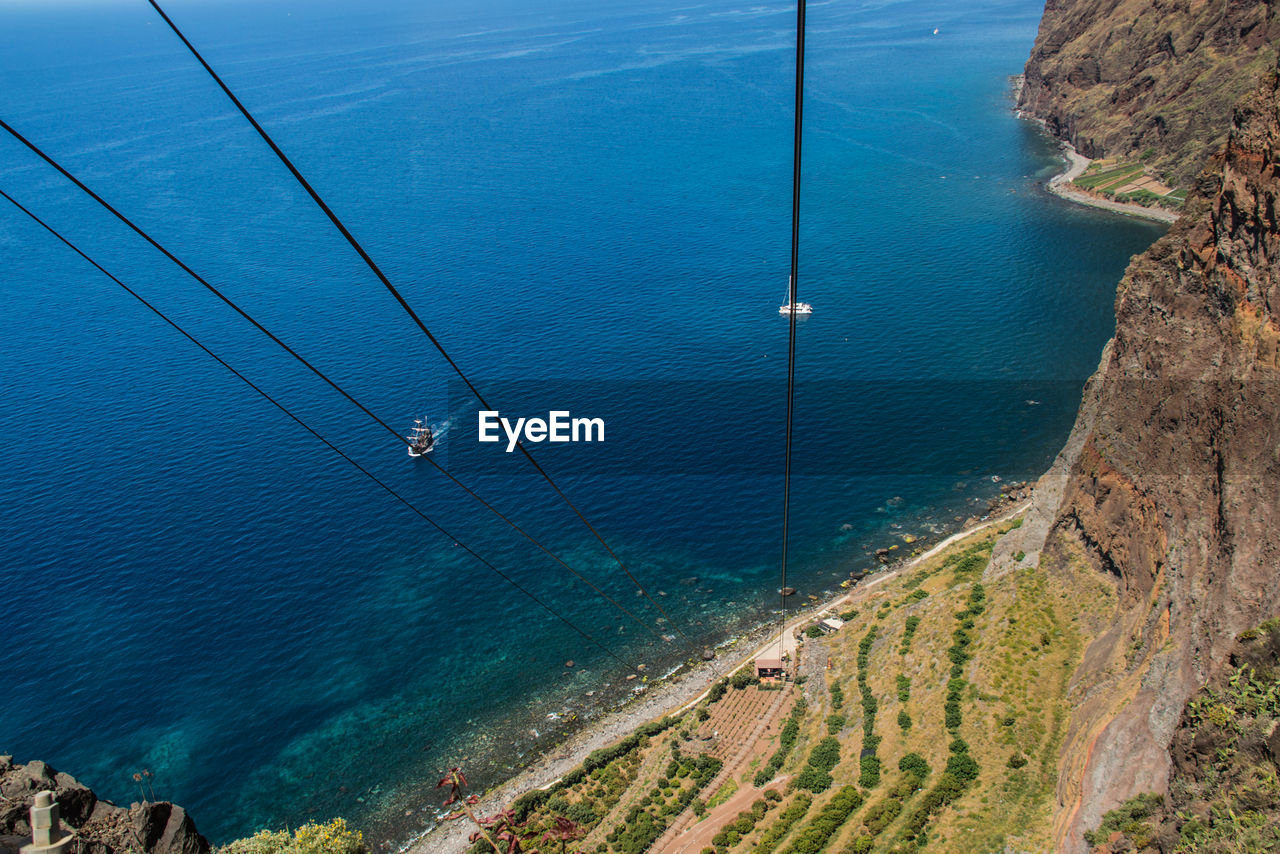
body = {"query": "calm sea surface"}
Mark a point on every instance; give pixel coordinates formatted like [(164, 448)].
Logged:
[(589, 204)]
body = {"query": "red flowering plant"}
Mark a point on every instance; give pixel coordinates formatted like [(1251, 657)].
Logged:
[(456, 782), (565, 831), (501, 827)]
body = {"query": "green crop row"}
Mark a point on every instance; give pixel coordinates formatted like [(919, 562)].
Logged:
[(786, 741), (824, 825)]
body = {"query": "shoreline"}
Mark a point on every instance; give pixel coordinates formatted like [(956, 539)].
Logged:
[(668, 697), (1077, 163)]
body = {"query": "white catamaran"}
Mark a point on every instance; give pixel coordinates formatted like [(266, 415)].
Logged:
[(794, 307)]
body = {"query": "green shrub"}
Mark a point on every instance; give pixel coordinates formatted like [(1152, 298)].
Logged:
[(825, 824), (812, 779), (908, 632), (864, 645), (880, 815), (869, 771), (860, 845), (947, 790), (904, 720), (813, 632), (904, 688), (331, 837), (825, 754), (530, 801), (835, 723), (638, 831), (1132, 819), (786, 740), (1017, 760), (744, 677), (717, 690), (963, 767), (786, 820), (914, 763)]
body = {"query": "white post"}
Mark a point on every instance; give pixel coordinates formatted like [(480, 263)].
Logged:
[(47, 835)]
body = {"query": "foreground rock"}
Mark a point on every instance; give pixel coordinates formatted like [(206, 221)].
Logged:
[(100, 826)]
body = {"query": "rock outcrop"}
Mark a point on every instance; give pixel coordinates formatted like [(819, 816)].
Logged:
[(1160, 78), (1172, 483), (100, 826)]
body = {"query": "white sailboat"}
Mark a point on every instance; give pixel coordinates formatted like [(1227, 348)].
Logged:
[(794, 307)]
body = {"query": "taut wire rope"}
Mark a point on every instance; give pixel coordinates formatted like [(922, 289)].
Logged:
[(404, 304), (392, 492)]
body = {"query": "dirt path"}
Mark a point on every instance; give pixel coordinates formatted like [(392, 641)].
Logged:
[(699, 836), (676, 838)]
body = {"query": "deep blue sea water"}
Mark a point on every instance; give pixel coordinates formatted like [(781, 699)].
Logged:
[(589, 204)]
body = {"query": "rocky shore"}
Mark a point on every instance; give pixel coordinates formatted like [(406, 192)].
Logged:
[(683, 689), (97, 826)]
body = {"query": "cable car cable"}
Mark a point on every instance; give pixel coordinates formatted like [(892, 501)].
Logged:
[(404, 304), (394, 494), (232, 304), (791, 332)]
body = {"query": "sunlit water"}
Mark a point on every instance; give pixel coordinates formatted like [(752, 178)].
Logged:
[(590, 207)]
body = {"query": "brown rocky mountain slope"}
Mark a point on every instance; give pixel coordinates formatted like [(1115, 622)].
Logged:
[(1127, 78), (1171, 483)]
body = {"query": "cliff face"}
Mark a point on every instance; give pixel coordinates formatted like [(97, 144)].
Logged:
[(1127, 78), (1173, 486)]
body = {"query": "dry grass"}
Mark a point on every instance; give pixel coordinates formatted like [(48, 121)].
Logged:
[(1025, 645)]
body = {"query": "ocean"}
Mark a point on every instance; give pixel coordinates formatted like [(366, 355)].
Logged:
[(589, 205)]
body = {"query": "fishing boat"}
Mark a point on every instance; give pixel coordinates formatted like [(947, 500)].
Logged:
[(420, 439)]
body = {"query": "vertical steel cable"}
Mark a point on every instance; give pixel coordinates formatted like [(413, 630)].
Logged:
[(793, 296)]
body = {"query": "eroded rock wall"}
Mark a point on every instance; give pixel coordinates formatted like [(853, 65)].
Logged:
[(1175, 489), (1120, 78)]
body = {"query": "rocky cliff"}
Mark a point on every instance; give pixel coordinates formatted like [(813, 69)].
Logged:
[(99, 827), (1171, 484), (1156, 79)]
